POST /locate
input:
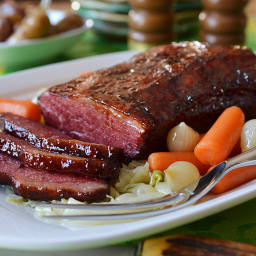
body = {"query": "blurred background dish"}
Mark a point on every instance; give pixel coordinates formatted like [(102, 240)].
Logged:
[(19, 23), (17, 53), (110, 18), (109, 22), (34, 34)]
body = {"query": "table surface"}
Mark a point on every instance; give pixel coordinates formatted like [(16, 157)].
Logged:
[(238, 223)]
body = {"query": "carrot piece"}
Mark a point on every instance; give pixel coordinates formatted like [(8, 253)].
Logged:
[(162, 160), (219, 141), (236, 150), (24, 108), (235, 178), (85, 74), (202, 135)]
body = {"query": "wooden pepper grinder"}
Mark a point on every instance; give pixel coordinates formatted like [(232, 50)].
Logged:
[(223, 22), (151, 23)]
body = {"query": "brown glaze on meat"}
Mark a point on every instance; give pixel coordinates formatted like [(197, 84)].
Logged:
[(45, 137), (83, 149), (134, 104), (32, 157), (42, 185)]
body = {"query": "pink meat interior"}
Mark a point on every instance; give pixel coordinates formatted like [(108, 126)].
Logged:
[(92, 122)]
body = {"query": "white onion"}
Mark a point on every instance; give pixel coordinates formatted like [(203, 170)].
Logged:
[(182, 138), (180, 174), (248, 135)]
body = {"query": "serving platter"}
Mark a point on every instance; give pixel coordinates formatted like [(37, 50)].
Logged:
[(21, 230)]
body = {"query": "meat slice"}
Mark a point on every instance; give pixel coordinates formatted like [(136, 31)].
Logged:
[(42, 185), (30, 156), (45, 137), (133, 105)]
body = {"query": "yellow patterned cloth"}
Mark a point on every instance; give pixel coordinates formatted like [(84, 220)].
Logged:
[(237, 224)]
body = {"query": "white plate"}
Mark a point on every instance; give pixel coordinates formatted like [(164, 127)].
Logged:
[(19, 230), (38, 51)]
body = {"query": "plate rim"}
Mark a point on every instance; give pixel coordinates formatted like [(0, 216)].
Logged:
[(208, 208)]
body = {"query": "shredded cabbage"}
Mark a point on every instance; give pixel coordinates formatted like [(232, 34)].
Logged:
[(134, 185)]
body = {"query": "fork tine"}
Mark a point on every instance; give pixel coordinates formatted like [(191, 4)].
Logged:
[(168, 199), (119, 216), (204, 186), (144, 213), (152, 208)]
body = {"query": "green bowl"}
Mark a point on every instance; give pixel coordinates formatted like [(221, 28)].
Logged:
[(40, 51)]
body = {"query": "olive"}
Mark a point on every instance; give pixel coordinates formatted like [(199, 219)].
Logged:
[(69, 22), (6, 28), (10, 9), (35, 25)]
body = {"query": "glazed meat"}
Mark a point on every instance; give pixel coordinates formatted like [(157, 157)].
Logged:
[(32, 157), (45, 137), (133, 105), (42, 185)]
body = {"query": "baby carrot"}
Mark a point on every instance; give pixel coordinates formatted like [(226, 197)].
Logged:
[(24, 108), (236, 150), (162, 160), (202, 135), (235, 178), (85, 74), (219, 141)]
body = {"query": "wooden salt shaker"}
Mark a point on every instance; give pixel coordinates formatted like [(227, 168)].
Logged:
[(223, 22), (151, 23)]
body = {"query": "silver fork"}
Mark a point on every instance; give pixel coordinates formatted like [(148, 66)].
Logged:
[(166, 204)]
